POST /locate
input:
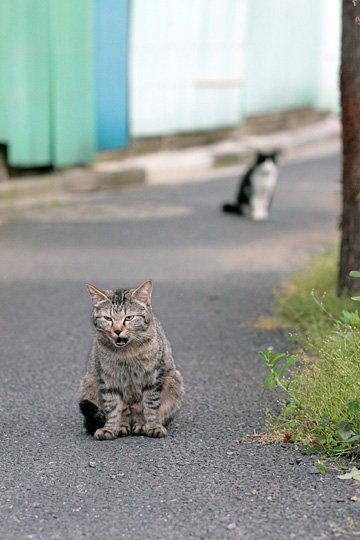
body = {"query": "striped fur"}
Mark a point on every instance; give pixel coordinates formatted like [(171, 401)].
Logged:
[(131, 385)]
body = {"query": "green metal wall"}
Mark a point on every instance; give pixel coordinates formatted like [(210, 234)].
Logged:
[(71, 81), (24, 81), (46, 82)]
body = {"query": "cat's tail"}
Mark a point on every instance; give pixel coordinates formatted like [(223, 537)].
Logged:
[(94, 418), (232, 209)]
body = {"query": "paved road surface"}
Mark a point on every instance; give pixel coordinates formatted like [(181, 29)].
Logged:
[(214, 276)]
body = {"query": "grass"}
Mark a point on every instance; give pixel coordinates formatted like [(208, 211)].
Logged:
[(322, 381), (309, 303)]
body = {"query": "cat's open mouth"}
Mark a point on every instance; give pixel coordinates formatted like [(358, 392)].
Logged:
[(121, 341)]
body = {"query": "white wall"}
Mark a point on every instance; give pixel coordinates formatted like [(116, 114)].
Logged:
[(327, 93), (187, 65), (197, 65), (292, 55)]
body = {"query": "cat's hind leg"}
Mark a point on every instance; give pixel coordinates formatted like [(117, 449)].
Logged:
[(171, 396), (160, 404)]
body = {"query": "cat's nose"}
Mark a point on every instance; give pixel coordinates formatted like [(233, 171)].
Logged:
[(118, 328)]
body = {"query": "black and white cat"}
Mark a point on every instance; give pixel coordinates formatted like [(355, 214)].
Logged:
[(256, 189)]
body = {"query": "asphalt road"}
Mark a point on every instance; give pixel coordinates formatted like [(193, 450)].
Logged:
[(213, 275)]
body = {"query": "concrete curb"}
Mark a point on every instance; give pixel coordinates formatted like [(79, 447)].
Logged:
[(195, 163), (64, 184), (176, 166)]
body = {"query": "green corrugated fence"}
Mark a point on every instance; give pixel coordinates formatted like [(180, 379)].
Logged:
[(46, 82)]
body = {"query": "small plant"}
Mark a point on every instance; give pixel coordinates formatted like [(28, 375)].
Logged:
[(277, 366)]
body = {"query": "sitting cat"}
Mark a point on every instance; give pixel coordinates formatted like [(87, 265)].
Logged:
[(256, 189), (131, 385)]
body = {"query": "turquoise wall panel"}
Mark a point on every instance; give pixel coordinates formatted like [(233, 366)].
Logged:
[(187, 65), (73, 138), (24, 81), (46, 82), (111, 73)]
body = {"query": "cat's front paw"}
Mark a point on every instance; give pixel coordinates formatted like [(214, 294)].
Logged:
[(138, 429), (105, 434), (124, 430), (156, 432)]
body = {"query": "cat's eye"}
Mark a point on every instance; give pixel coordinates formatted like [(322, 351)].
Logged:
[(107, 318), (129, 317)]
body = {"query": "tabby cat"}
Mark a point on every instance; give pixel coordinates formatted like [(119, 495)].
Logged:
[(131, 385)]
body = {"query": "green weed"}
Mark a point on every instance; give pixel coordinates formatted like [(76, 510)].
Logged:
[(309, 303), (322, 382)]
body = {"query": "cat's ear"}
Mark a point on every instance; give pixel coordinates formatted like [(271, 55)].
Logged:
[(97, 295), (143, 292)]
